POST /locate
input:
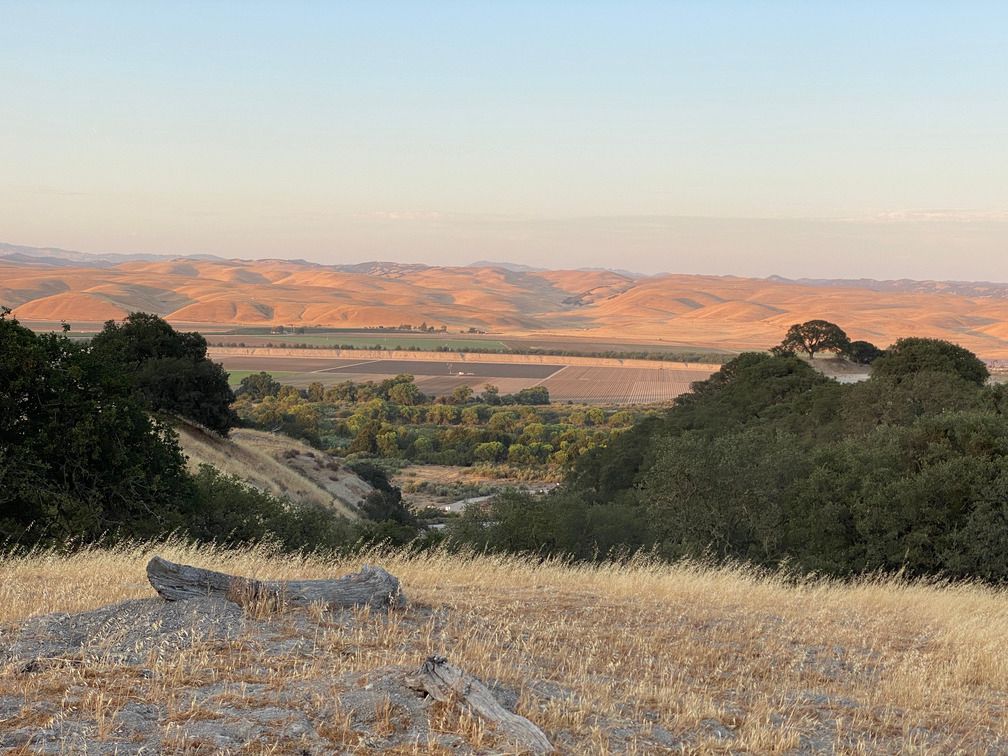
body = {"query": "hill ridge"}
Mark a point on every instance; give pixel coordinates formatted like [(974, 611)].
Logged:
[(725, 312)]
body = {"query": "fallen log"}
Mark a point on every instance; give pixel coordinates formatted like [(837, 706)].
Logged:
[(372, 586), (447, 683)]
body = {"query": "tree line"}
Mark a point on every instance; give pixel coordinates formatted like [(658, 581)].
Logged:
[(393, 419), (88, 452), (769, 462), (766, 461)]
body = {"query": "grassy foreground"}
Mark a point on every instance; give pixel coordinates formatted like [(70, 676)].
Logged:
[(603, 658)]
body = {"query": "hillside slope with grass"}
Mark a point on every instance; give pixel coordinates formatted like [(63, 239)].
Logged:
[(635, 657), (279, 465)]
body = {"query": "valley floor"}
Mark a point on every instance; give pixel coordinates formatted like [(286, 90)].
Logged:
[(639, 658), (599, 381)]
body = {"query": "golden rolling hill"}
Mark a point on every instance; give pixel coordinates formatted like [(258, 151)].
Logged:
[(713, 311)]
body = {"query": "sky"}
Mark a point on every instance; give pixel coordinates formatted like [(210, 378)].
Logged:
[(855, 139)]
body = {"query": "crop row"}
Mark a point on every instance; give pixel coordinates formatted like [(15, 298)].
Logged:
[(619, 385)]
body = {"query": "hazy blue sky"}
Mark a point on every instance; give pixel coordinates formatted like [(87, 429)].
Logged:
[(804, 138)]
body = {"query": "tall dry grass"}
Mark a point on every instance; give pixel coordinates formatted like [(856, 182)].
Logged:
[(729, 659), (276, 464)]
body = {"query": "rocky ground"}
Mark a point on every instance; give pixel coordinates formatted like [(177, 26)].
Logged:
[(207, 676), (639, 658), (204, 676), (228, 703)]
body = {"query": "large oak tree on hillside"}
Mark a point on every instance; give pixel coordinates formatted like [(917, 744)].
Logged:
[(815, 336)]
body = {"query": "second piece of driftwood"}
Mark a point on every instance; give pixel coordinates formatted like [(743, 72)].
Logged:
[(372, 586), (445, 682)]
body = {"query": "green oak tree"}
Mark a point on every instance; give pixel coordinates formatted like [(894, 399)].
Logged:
[(815, 336)]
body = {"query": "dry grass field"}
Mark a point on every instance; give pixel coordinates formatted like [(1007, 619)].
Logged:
[(636, 658), (278, 465)]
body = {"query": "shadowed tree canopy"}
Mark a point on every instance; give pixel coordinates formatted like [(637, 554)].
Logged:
[(910, 356), (83, 461), (862, 352), (168, 369), (259, 385), (770, 462), (814, 336), (80, 457)]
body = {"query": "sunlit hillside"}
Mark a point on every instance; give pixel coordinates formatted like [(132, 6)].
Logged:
[(713, 311), (277, 464)]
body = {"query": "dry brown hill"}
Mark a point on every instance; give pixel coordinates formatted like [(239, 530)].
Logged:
[(715, 311), (278, 465)]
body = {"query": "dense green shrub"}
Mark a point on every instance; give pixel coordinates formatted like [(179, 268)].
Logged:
[(769, 462), (169, 370), (83, 461), (862, 352), (563, 523), (225, 510), (911, 356), (258, 386), (80, 457)]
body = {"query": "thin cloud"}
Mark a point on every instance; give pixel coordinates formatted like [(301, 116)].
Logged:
[(950, 216), (404, 215)]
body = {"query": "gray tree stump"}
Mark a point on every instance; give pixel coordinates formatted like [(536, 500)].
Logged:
[(445, 682), (372, 586)]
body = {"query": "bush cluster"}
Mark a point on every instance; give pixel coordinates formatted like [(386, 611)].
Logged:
[(769, 462), (394, 420), (88, 454)]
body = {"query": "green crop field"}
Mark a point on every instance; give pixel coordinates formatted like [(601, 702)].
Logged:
[(584, 344), (362, 341)]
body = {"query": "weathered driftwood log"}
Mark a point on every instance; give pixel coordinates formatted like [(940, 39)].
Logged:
[(372, 586), (445, 682)]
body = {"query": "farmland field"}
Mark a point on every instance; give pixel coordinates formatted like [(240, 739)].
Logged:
[(458, 342), (592, 384), (362, 340), (589, 344), (289, 364), (615, 385), (390, 339), (224, 335), (456, 367)]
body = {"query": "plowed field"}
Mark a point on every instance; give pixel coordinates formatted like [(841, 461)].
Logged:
[(614, 385), (593, 384)]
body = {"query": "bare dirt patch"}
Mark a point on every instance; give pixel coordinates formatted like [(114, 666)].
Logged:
[(616, 385)]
